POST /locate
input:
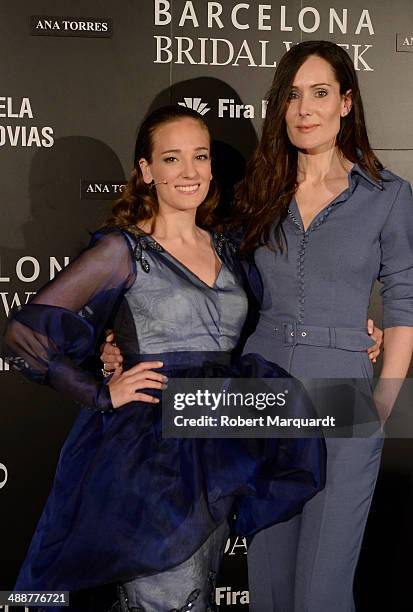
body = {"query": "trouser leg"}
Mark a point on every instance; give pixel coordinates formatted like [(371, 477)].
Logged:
[(307, 564), (332, 527), (272, 557)]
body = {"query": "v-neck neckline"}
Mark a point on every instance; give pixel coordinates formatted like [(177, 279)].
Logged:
[(335, 200), (185, 267)]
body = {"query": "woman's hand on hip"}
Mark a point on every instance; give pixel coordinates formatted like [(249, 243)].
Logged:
[(377, 335), (125, 387)]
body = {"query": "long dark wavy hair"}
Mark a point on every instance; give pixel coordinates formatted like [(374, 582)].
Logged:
[(139, 201), (263, 196)]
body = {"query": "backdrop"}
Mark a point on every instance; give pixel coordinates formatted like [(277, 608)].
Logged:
[(76, 79)]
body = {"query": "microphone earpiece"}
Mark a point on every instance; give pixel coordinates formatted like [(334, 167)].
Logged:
[(164, 182)]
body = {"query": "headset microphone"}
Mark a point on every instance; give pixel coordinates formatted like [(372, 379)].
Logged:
[(164, 182)]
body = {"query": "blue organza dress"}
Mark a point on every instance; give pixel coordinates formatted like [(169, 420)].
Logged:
[(126, 502)]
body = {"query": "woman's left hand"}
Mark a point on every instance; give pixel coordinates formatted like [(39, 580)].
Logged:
[(377, 334), (385, 396)]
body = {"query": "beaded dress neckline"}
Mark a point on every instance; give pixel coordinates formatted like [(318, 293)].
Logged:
[(146, 241)]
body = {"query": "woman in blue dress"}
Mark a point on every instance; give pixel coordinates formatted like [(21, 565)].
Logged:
[(128, 506), (325, 221)]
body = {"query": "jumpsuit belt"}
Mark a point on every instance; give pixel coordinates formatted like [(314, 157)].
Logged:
[(292, 334)]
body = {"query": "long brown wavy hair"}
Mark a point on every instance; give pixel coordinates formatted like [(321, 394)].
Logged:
[(139, 201), (263, 196)]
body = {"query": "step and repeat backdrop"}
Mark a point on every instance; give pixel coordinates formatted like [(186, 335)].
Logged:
[(76, 80)]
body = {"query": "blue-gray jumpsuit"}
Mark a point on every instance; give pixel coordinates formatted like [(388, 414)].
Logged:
[(313, 323)]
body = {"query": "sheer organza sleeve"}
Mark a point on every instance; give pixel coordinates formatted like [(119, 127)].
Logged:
[(49, 338)]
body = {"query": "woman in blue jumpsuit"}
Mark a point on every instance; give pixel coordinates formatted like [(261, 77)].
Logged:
[(335, 222)]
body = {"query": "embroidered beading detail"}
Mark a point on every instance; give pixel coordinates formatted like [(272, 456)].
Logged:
[(220, 240), (192, 597), (142, 244), (122, 605)]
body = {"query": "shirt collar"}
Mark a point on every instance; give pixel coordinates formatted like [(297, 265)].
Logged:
[(357, 170)]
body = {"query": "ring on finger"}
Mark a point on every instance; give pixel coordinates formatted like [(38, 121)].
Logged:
[(105, 371)]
